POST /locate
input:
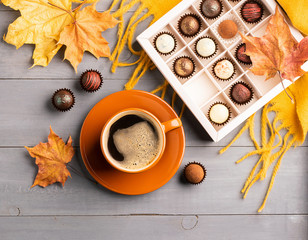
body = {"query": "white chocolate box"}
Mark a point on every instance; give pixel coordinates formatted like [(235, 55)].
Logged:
[(202, 89)]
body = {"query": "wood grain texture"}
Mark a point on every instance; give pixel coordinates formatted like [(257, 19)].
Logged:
[(218, 194), (155, 227), (28, 112), (85, 210)]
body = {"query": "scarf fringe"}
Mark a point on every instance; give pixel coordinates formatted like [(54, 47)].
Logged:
[(265, 151), (125, 36)]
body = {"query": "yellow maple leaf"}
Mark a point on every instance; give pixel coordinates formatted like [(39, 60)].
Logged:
[(51, 158), (40, 23), (85, 35), (39, 19), (45, 51)]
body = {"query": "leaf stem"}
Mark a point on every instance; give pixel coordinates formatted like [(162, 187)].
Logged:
[(77, 8), (281, 80), (69, 12)]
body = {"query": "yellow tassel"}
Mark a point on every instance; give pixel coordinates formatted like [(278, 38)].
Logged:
[(276, 168), (159, 88), (119, 48), (173, 99), (163, 92), (142, 68), (120, 29), (131, 34), (246, 126)]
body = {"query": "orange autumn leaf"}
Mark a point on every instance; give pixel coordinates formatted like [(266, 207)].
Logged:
[(277, 50), (51, 159), (85, 34)]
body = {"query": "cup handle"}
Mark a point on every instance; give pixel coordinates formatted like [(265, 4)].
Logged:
[(171, 124)]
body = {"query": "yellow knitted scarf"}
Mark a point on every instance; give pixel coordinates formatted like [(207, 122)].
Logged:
[(293, 117), (145, 9)]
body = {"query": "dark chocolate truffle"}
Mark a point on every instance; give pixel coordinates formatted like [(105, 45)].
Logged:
[(241, 93), (227, 29), (184, 67), (252, 11), (240, 54), (194, 172), (91, 80), (189, 25), (211, 8), (63, 99)]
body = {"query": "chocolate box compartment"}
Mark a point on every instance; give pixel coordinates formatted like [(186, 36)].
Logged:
[(190, 10), (232, 50), (238, 70), (234, 3), (255, 91), (223, 98), (186, 52), (179, 41), (264, 86), (220, 47), (201, 88), (225, 8), (260, 29), (241, 28), (266, 13)]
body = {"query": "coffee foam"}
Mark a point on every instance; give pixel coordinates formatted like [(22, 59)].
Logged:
[(139, 144)]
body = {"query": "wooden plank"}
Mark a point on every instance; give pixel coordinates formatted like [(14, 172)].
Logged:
[(218, 194), (100, 6), (155, 227), (28, 113), (21, 59)]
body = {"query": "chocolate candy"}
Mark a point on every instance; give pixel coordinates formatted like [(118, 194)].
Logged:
[(227, 29), (241, 93), (241, 56), (224, 69), (165, 43), (194, 172), (63, 99), (189, 25), (205, 47), (252, 11), (184, 67), (91, 80), (211, 8), (219, 113)]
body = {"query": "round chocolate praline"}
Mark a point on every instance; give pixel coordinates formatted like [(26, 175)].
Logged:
[(240, 54), (227, 29), (205, 47), (184, 66), (224, 69), (211, 8), (194, 173), (219, 113), (252, 11), (189, 25), (91, 80), (165, 43), (241, 93), (63, 99)]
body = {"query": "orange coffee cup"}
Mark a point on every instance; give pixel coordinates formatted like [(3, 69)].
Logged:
[(160, 130)]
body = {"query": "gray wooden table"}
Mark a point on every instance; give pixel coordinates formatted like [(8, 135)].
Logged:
[(85, 210)]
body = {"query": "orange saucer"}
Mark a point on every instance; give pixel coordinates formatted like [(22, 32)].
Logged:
[(130, 183)]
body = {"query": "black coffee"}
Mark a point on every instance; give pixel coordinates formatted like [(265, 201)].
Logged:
[(133, 141)]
